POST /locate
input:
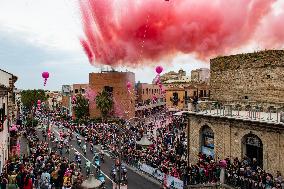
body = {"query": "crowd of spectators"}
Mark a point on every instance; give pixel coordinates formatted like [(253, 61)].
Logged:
[(43, 168), (168, 153)]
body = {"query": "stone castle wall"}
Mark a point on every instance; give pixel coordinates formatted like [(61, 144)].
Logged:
[(257, 77)]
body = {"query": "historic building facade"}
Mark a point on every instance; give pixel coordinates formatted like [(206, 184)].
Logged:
[(146, 92), (115, 83), (200, 75), (245, 87), (231, 137), (180, 97), (7, 113)]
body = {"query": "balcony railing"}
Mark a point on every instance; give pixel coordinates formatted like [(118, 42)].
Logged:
[(150, 106), (254, 113)]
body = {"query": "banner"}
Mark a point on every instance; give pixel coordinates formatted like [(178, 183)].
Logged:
[(174, 182), (147, 169), (156, 173)]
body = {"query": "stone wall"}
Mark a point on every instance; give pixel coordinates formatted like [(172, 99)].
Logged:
[(124, 100), (255, 77), (228, 137)]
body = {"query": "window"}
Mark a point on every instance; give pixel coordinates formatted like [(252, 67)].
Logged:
[(201, 93), (76, 91), (246, 97), (143, 91), (83, 91), (109, 90)]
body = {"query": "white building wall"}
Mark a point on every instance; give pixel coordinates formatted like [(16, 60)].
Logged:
[(4, 135)]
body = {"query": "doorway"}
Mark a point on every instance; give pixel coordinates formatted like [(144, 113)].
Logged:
[(252, 147)]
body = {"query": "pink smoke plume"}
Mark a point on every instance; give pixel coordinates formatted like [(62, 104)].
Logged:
[(91, 95), (272, 28), (118, 108), (131, 32)]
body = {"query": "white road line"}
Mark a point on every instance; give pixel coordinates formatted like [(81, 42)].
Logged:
[(92, 164), (86, 158)]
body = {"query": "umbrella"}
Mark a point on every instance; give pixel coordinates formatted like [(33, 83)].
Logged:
[(91, 183), (14, 128), (144, 141)]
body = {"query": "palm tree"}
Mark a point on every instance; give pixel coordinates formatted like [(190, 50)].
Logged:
[(104, 102)]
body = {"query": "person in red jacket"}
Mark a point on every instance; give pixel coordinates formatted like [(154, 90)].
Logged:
[(28, 184)]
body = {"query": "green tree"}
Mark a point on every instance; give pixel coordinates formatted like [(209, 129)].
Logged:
[(81, 108), (29, 98), (104, 102)]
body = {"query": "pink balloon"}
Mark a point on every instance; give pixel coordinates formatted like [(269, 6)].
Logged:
[(159, 69), (38, 102), (45, 75), (160, 85), (128, 85)]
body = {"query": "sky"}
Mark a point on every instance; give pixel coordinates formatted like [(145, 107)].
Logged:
[(43, 35)]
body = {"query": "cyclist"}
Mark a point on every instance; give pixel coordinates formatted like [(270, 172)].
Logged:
[(88, 168), (84, 148)]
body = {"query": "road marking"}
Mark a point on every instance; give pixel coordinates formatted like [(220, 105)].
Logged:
[(85, 158), (92, 163)]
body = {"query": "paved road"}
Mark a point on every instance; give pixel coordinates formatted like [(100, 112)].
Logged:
[(135, 180)]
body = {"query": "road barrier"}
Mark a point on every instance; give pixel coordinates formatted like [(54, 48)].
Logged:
[(171, 181)]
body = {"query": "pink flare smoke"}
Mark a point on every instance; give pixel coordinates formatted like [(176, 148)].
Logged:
[(272, 29), (90, 94), (118, 109), (130, 32)]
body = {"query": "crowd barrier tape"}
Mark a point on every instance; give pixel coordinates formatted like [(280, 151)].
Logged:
[(171, 181)]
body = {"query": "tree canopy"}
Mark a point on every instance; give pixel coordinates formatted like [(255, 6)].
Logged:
[(29, 98), (104, 103), (81, 108)]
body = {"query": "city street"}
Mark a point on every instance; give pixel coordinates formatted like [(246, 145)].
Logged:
[(135, 181)]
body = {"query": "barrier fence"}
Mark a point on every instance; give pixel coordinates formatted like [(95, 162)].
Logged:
[(171, 181)]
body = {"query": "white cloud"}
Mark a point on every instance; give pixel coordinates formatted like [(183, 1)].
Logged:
[(49, 23)]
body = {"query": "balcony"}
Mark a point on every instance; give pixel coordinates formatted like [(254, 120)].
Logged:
[(150, 106)]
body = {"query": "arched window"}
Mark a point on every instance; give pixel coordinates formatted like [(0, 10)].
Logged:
[(207, 141)]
